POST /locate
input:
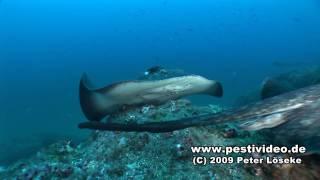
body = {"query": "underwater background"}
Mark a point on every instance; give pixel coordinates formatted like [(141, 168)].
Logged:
[(45, 46)]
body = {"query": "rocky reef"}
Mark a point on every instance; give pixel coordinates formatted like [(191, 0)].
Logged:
[(120, 155), (117, 155)]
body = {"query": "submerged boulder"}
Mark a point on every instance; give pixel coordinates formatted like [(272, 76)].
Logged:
[(290, 81), (282, 83)]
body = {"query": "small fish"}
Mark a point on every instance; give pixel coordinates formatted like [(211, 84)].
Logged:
[(154, 70)]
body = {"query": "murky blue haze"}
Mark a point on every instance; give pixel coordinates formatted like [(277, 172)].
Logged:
[(45, 46)]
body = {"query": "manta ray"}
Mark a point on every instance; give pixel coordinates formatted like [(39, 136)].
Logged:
[(294, 116), (98, 103)]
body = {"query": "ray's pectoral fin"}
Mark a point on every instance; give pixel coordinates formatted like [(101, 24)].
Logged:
[(268, 121), (93, 102), (217, 90)]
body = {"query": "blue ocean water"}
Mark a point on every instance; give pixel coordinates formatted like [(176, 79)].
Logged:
[(45, 46)]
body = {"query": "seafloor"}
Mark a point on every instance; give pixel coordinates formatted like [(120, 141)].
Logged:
[(121, 155)]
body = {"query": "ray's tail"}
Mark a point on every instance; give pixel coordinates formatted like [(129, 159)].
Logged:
[(159, 127)]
